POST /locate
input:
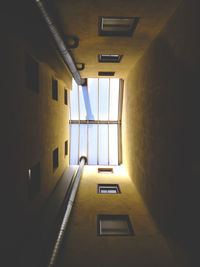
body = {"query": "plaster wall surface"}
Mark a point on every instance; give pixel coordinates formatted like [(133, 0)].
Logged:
[(82, 245), (161, 131), (80, 18), (33, 124)]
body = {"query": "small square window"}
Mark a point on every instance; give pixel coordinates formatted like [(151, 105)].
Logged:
[(32, 74), (109, 58), (117, 26), (105, 170), (55, 158), (114, 225), (34, 180), (54, 89), (66, 147), (65, 97), (106, 73), (108, 189)]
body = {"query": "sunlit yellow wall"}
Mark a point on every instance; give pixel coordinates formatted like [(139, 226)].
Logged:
[(83, 246), (160, 124)]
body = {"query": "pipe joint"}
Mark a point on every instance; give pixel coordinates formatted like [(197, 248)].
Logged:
[(83, 158)]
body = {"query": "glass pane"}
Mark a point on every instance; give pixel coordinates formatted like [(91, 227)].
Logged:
[(92, 98), (83, 140), (113, 144), (92, 143), (112, 191), (103, 191), (114, 99), (103, 144), (74, 101), (103, 98), (115, 227), (83, 102), (74, 144)]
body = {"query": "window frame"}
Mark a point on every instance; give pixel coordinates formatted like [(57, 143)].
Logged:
[(108, 187), (114, 217), (65, 97), (55, 159), (54, 85), (66, 148)]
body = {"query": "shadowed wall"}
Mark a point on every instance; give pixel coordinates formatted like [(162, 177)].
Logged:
[(33, 123), (160, 127)]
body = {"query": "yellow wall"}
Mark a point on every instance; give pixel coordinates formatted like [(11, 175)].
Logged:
[(83, 246), (160, 125)]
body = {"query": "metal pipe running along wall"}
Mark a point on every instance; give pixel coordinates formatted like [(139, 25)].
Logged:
[(63, 227), (60, 44)]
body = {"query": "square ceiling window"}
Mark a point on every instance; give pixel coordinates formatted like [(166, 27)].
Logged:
[(105, 170), (103, 58), (95, 121), (114, 225), (108, 189), (117, 26)]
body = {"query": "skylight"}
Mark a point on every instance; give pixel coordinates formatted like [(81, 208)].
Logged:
[(95, 121)]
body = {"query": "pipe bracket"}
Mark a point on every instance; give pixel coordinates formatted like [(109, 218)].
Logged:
[(71, 41), (82, 66)]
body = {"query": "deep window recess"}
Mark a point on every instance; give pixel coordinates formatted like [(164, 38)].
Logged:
[(117, 26), (108, 189), (55, 158), (66, 147), (105, 170), (65, 97), (95, 121), (32, 74), (109, 58), (54, 89), (114, 225), (106, 73), (34, 180)]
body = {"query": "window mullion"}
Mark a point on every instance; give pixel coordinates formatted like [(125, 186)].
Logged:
[(98, 126), (87, 119), (108, 120), (70, 126), (121, 84), (78, 124)]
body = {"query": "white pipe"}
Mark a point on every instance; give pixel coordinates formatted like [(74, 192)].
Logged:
[(60, 44), (65, 221)]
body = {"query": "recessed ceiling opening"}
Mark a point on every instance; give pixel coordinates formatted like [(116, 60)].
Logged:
[(117, 26), (108, 189), (106, 73), (105, 170), (109, 58), (114, 225)]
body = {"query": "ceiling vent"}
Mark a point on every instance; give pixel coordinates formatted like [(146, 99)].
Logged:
[(109, 58), (106, 73), (117, 26)]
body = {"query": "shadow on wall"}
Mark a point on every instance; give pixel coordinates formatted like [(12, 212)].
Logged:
[(161, 120)]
